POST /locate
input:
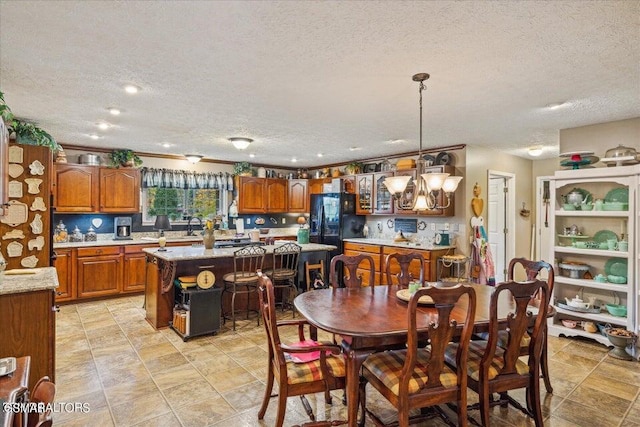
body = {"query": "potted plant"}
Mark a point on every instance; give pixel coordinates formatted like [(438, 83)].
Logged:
[(242, 169), (25, 132), (124, 158), (353, 168)]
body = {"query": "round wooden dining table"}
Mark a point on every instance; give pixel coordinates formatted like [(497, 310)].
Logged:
[(369, 319)]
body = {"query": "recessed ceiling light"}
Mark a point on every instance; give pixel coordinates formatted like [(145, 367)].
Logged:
[(397, 141), (94, 136), (114, 111), (103, 125), (294, 160), (320, 154), (555, 105), (535, 151), (131, 89), (252, 155), (355, 148), (166, 145)]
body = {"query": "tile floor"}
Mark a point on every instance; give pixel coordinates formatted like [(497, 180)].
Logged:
[(131, 375)]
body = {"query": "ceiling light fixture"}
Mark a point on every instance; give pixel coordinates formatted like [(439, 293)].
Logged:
[(114, 111), (294, 160), (320, 154), (252, 155), (355, 148), (555, 105), (193, 158), (131, 89), (94, 136), (103, 125), (427, 185), (241, 143), (535, 151)]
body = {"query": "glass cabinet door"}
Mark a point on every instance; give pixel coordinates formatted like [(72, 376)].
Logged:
[(364, 194), (383, 203)]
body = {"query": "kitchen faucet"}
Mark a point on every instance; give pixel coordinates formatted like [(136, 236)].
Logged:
[(190, 231)]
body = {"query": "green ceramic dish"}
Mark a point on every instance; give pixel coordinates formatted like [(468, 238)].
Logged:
[(616, 267), (603, 235), (617, 310), (619, 280), (620, 194)]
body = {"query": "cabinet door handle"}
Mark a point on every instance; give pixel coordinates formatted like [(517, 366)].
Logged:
[(58, 293)]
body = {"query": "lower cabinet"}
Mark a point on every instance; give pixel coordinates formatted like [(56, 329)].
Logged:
[(99, 272), (63, 264), (374, 251), (28, 329), (134, 269)]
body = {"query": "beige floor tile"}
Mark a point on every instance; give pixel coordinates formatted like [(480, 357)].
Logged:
[(130, 391), (249, 356), (115, 357), (190, 392), (72, 358), (131, 374), (96, 402), (204, 413), (173, 377), (103, 322), (585, 416), (167, 361), (230, 379), (203, 353), (101, 417), (246, 396), (107, 339), (628, 373), (554, 421), (598, 399), (135, 411), (613, 387), (165, 420), (153, 351)]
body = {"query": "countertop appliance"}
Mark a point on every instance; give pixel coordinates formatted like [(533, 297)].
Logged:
[(122, 228), (333, 219)]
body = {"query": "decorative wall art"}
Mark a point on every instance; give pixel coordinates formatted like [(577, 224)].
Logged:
[(34, 185), (38, 205), (13, 234), (36, 168), (36, 225), (29, 262), (14, 249), (15, 189), (15, 170), (37, 243), (15, 154), (16, 213)]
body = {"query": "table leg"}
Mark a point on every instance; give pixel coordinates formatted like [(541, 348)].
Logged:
[(353, 362)]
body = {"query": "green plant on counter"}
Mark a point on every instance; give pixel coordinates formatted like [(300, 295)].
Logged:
[(26, 133), (125, 158), (242, 168)]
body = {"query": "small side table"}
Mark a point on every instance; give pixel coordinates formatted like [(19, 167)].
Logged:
[(455, 266)]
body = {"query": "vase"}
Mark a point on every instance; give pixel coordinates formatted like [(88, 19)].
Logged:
[(208, 239)]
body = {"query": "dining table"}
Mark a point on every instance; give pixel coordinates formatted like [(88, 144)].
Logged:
[(370, 319)]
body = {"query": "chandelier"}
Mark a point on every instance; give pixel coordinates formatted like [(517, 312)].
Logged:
[(427, 185)]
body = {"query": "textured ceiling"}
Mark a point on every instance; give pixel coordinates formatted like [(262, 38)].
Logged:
[(307, 77)]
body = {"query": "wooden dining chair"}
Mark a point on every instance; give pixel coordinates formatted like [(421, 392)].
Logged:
[(284, 272), (350, 277), (299, 368), (404, 276), (243, 280), (416, 376), (494, 369), (43, 392)]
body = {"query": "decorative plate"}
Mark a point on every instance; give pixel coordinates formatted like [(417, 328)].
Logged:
[(584, 161), (259, 221), (16, 213), (616, 267), (569, 236), (7, 366), (576, 153), (603, 235), (15, 154), (620, 194), (578, 309), (36, 168), (15, 170), (405, 295), (431, 160), (443, 158)]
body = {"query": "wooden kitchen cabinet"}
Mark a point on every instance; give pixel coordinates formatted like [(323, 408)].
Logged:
[(28, 329), (119, 190), (135, 264), (262, 195), (277, 194), (75, 188), (364, 194), (63, 264), (298, 195), (382, 200), (430, 260), (316, 185), (99, 271)]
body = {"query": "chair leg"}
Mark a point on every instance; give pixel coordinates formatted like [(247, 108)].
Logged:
[(282, 408), (233, 310), (533, 392), (544, 366), (267, 393), (484, 405), (363, 401)]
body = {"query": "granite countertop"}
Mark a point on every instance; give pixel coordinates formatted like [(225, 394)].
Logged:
[(406, 245), (152, 238), (35, 279), (186, 253)]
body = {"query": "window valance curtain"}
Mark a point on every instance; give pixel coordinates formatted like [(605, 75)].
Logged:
[(169, 178)]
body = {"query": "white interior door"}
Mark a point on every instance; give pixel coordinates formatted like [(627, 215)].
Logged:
[(497, 224)]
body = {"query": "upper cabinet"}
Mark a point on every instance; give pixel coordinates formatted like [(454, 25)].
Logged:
[(119, 190), (262, 195), (364, 194), (85, 189), (299, 195)]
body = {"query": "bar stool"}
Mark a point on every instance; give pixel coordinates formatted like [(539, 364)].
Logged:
[(244, 279), (284, 272), (456, 265), (308, 268)]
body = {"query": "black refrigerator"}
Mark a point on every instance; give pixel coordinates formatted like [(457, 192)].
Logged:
[(333, 218)]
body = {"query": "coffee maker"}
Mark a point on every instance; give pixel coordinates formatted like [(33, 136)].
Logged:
[(122, 228)]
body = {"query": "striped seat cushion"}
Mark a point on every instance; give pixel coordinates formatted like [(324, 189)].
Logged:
[(387, 367), (242, 278), (311, 371), (503, 336), (476, 351)]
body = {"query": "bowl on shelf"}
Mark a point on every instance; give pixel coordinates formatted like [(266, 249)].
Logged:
[(569, 207), (617, 310), (615, 206), (568, 323), (620, 280), (586, 206)]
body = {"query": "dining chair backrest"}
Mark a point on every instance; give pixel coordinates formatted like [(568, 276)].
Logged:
[(405, 275), (532, 270), (351, 264), (248, 260), (43, 392), (440, 332), (267, 299), (519, 322)]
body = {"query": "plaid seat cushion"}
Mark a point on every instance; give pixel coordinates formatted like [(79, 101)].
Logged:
[(242, 278), (503, 336), (387, 367), (311, 371), (476, 351)]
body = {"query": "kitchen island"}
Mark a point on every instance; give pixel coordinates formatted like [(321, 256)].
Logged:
[(164, 266)]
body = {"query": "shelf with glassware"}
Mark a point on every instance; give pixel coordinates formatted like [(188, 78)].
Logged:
[(594, 281)]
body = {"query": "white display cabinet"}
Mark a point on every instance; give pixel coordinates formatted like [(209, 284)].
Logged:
[(596, 270)]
